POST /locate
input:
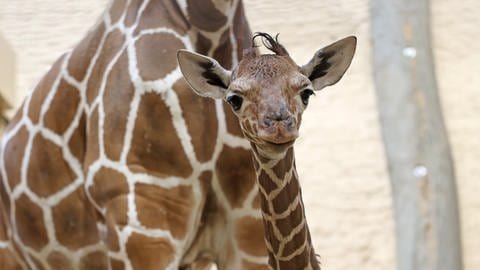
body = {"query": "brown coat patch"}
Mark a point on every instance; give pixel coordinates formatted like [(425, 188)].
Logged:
[(113, 243), (108, 184), (285, 165), (7, 260), (156, 147), (116, 217), (42, 89), (286, 225), (270, 236), (117, 211), (132, 12), (242, 30), (286, 196), (74, 220), (223, 54), (205, 16), (298, 262), (63, 108), (247, 237), (83, 53), (167, 209), (266, 182), (203, 44), (112, 45), (94, 261), (235, 174), (233, 127), (117, 265), (149, 253), (92, 151), (77, 141), (49, 172), (57, 260), (4, 211), (165, 13), (118, 95), (116, 10), (156, 55), (30, 224), (15, 151), (3, 222), (297, 241), (200, 117)]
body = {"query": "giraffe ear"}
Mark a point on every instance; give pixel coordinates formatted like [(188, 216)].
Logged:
[(330, 63), (204, 75)]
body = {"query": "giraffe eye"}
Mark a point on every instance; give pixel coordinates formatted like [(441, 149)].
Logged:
[(305, 95), (235, 101)]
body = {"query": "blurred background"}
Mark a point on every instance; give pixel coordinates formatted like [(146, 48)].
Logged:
[(340, 153)]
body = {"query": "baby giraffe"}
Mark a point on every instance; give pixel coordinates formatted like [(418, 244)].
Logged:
[(268, 93)]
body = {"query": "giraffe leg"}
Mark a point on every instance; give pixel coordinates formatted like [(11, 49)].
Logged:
[(235, 255), (244, 245)]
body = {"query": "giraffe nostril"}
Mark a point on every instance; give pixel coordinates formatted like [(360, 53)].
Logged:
[(280, 115), (267, 121), (278, 119), (289, 122)]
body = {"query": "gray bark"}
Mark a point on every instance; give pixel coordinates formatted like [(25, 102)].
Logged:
[(416, 144)]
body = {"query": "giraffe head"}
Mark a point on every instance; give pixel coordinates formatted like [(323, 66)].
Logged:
[(268, 93)]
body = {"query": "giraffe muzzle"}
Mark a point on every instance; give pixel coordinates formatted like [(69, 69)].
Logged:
[(278, 131)]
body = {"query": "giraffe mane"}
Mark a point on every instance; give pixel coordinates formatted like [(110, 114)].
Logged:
[(270, 43)]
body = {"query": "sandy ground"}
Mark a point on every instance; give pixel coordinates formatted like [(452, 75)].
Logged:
[(340, 154)]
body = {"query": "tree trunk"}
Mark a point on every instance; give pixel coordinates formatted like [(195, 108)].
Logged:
[(416, 144)]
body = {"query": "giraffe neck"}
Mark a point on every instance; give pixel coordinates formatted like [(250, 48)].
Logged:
[(217, 28), (286, 229)]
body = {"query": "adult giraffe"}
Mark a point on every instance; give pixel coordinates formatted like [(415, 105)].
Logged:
[(113, 163), (268, 94)]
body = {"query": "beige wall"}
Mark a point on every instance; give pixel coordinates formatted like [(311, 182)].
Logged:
[(7, 72), (7, 80), (340, 154), (40, 31)]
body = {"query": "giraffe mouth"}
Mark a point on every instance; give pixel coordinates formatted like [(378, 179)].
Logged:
[(278, 138), (274, 149), (280, 143)]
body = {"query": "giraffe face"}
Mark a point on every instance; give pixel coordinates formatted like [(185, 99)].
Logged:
[(268, 93)]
